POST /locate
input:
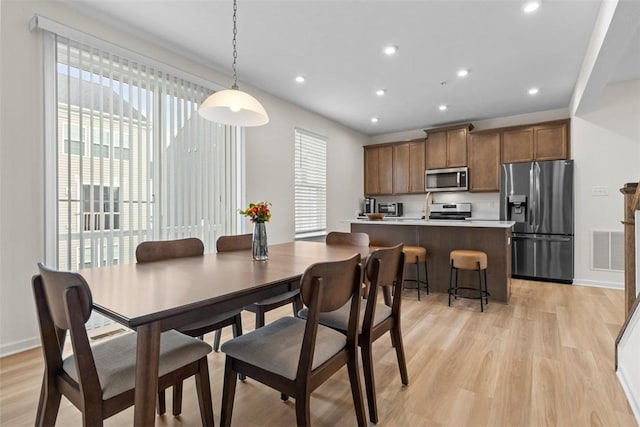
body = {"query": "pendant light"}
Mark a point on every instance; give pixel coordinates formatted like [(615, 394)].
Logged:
[(233, 106)]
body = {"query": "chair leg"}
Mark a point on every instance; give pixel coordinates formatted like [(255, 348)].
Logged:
[(396, 333), (418, 277), (480, 289), (284, 397), (161, 403), (356, 390), (259, 317), (303, 417), (236, 328), (426, 276), (203, 387), (485, 287), (216, 340), (297, 305), (450, 282), (48, 405), (177, 398), (228, 394), (369, 381)]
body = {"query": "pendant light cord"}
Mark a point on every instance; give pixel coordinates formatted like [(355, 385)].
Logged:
[(235, 52)]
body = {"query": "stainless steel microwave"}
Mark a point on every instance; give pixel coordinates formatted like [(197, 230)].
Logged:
[(451, 179)]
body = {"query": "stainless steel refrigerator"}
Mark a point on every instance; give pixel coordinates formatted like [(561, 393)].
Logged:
[(538, 196)]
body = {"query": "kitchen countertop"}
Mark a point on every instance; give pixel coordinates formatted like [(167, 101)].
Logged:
[(438, 222)]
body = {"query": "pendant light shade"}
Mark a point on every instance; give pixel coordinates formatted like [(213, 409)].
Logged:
[(234, 107)]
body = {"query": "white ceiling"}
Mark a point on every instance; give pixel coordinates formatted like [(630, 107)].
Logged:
[(337, 46)]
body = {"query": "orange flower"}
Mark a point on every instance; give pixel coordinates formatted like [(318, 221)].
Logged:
[(257, 212)]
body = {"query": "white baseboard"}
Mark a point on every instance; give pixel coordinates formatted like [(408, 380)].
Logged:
[(19, 346), (633, 400), (598, 284)]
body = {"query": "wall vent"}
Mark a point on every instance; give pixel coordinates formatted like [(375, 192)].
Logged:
[(607, 250)]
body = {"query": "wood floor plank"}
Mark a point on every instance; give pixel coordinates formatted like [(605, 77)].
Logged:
[(546, 358)]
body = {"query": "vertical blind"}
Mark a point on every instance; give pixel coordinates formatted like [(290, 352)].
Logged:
[(134, 160), (310, 184)]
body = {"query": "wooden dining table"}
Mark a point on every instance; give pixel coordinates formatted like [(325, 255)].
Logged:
[(157, 296)]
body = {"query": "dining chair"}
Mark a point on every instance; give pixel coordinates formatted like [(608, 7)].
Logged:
[(243, 242), (152, 251), (342, 238), (99, 379), (383, 271), (296, 356)]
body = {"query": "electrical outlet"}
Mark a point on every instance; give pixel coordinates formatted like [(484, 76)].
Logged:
[(599, 191)]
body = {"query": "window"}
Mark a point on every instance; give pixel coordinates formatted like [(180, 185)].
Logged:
[(100, 208), (73, 142), (128, 158), (310, 184)]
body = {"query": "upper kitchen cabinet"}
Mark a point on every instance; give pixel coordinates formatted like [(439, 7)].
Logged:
[(378, 170), (484, 161), (446, 147), (544, 141), (408, 167)]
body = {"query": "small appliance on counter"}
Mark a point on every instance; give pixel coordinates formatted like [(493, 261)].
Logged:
[(450, 211), (369, 205), (391, 209)]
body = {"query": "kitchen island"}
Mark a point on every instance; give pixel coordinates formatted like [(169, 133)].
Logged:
[(440, 238)]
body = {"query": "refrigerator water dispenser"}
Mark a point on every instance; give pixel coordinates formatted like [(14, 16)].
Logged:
[(517, 206)]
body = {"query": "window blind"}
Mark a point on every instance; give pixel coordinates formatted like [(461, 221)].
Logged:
[(133, 159), (310, 184)]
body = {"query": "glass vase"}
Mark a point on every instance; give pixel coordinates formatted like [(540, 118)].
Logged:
[(259, 243)]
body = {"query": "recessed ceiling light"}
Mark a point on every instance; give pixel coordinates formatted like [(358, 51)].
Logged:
[(532, 6), (442, 107), (390, 50), (300, 79), (463, 72), (381, 92), (534, 91), (374, 120)]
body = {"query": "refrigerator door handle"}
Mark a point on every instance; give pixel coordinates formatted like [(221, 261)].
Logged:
[(537, 189), (544, 238), (530, 207)]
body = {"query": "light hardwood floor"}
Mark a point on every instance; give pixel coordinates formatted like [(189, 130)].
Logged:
[(546, 358)]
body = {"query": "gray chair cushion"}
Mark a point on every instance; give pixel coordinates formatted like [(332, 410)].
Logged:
[(278, 298), (116, 359), (339, 319), (276, 346), (208, 321)]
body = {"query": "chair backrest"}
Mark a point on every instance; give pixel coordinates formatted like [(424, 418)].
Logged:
[(384, 269), (326, 287), (168, 249), (239, 242), (63, 302), (340, 238)]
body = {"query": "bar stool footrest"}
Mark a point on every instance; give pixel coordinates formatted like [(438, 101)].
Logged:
[(476, 291)]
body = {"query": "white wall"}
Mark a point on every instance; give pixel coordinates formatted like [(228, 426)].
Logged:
[(269, 155), (605, 144), (270, 174)]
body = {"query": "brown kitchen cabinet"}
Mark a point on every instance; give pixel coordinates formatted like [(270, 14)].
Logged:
[(408, 167), (544, 141), (446, 147), (378, 170), (484, 161)]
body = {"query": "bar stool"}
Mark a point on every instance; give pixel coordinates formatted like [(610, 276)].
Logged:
[(469, 260), (416, 255)]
